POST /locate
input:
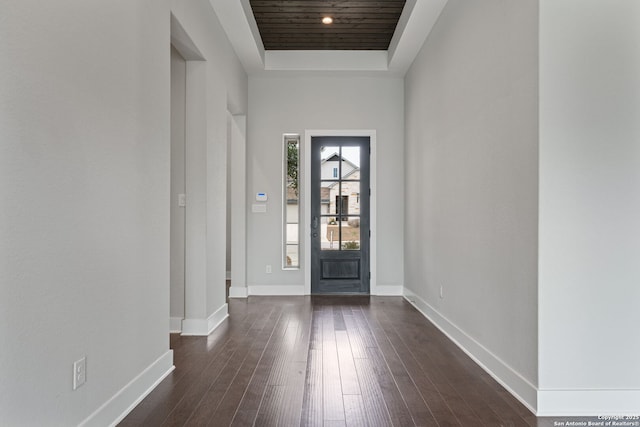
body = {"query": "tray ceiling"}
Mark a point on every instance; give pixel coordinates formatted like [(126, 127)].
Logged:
[(297, 24)]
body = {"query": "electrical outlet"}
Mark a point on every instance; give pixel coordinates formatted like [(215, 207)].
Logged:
[(441, 291), (79, 372), (268, 269)]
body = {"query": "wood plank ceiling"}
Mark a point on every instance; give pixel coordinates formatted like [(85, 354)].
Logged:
[(297, 24)]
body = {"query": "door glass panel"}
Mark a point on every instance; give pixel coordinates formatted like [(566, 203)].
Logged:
[(330, 234), (330, 162), (350, 163), (349, 199), (328, 192), (340, 198), (350, 234), (342, 206)]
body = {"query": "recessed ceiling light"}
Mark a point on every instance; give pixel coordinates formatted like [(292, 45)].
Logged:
[(327, 20)]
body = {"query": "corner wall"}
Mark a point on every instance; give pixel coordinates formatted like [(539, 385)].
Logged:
[(85, 184), (222, 85), (471, 178), (178, 108), (216, 85), (589, 207), (84, 179)]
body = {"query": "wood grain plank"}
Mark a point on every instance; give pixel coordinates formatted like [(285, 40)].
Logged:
[(354, 412), (268, 414), (209, 403), (363, 327), (413, 398), (348, 375), (363, 25), (436, 371), (315, 361), (358, 349), (312, 403), (328, 3), (376, 411), (256, 389), (291, 411), (158, 405), (333, 408), (201, 385), (247, 330), (226, 410), (439, 408), (398, 411)]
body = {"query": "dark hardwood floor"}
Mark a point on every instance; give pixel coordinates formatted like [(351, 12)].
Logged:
[(325, 361)]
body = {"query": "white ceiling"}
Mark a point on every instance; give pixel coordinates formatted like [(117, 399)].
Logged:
[(416, 21)]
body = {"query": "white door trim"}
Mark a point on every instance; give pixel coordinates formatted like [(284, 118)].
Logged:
[(306, 176)]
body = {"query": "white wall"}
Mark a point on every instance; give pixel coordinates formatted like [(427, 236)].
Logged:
[(292, 104), (471, 184), (178, 105), (85, 182), (216, 85), (84, 170), (589, 206), (238, 138), (229, 176)]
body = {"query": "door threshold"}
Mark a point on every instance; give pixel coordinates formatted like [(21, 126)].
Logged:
[(342, 294)]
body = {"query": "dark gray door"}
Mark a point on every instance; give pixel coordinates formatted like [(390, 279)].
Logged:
[(340, 206)]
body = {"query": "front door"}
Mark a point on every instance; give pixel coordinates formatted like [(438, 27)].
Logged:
[(340, 215)]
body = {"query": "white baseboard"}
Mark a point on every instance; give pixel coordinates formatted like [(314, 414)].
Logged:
[(115, 409), (296, 290), (588, 403), (516, 384), (196, 327), (203, 327), (175, 325), (238, 292), (277, 290), (217, 318), (388, 290)]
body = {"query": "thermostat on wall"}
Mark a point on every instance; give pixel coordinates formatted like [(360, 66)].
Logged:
[(261, 197)]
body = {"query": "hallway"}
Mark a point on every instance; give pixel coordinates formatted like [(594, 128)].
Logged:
[(314, 361)]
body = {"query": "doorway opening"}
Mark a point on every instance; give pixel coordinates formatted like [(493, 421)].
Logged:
[(236, 285), (187, 80)]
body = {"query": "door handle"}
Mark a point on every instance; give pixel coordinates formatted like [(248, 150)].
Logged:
[(314, 225)]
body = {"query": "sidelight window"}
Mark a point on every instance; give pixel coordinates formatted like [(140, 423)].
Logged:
[(291, 202)]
